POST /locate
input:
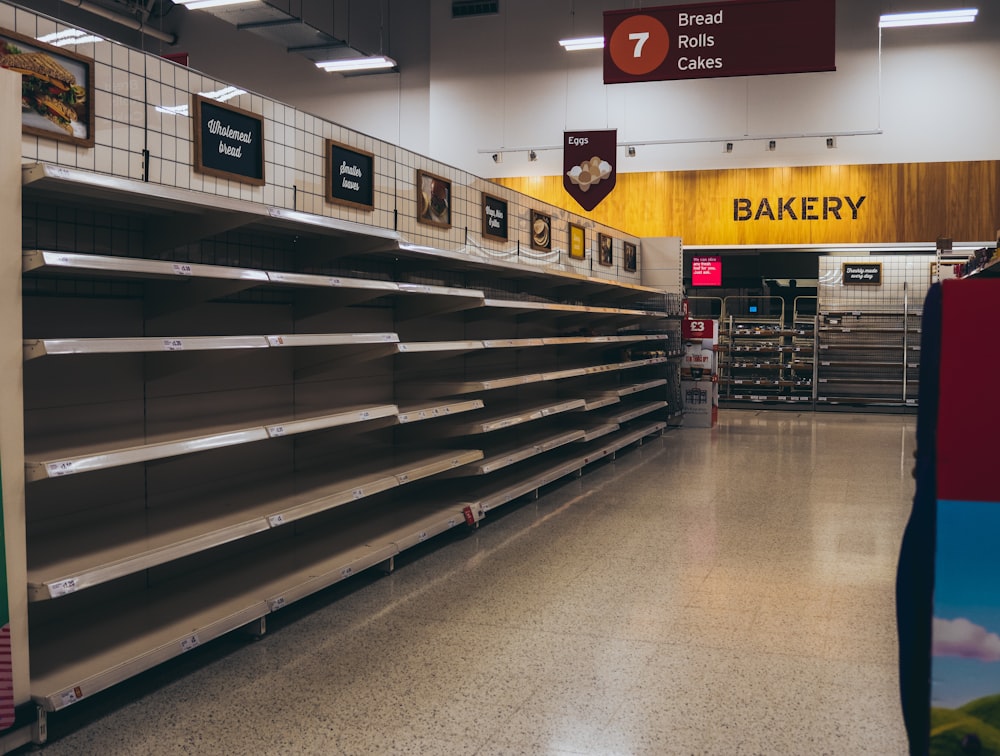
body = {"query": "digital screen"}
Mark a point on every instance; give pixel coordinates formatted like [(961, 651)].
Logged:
[(706, 271), (753, 308)]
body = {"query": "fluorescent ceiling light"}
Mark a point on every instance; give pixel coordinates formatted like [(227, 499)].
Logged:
[(202, 4), (69, 37), (928, 18), (583, 43), (372, 63)]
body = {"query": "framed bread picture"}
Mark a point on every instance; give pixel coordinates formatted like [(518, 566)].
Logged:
[(541, 231), (577, 242), (629, 255), (433, 200), (57, 88), (605, 255)]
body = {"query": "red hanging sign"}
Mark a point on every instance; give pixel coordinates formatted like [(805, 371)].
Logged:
[(711, 40), (589, 159)]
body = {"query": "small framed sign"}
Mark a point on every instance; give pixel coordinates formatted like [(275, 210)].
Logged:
[(57, 88), (495, 218), (541, 231), (605, 253), (862, 274), (350, 176), (228, 142), (433, 200), (629, 257), (577, 242)]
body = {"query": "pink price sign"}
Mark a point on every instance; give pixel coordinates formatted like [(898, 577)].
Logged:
[(706, 271)]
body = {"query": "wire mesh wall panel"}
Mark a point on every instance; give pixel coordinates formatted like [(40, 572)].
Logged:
[(868, 331)]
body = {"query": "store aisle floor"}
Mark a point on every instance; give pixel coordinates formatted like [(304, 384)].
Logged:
[(711, 592)]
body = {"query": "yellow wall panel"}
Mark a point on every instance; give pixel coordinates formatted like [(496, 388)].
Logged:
[(808, 205)]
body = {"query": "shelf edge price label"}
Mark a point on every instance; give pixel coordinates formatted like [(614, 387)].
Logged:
[(346, 572), (276, 603), (403, 478), (68, 697), (62, 588), (357, 493), (335, 282), (404, 418), (173, 345), (452, 522), (422, 536), (190, 642), (183, 270), (276, 431), (57, 469), (275, 520)]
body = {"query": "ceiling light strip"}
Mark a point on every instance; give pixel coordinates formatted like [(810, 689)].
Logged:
[(372, 63), (582, 43), (928, 18)]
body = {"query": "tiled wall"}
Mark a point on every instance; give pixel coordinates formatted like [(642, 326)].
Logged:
[(912, 270), (141, 102)]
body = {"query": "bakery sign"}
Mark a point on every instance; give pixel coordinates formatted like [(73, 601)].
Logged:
[(589, 165), (228, 142), (710, 40)]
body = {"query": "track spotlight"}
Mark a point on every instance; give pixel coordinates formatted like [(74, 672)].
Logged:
[(728, 147), (497, 157), (532, 156), (772, 146), (831, 143)]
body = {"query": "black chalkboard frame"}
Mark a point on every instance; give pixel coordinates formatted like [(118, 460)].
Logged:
[(331, 175), (201, 103)]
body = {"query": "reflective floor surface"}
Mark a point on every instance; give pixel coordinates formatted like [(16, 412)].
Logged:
[(725, 591)]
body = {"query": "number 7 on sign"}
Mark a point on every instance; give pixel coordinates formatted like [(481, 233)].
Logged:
[(640, 39), (639, 45)]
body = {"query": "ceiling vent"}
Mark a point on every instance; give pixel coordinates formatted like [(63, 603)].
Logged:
[(467, 8)]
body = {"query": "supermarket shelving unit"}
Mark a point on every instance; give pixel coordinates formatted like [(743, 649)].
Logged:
[(221, 422)]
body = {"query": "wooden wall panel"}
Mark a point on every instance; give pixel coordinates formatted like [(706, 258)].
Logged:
[(913, 202)]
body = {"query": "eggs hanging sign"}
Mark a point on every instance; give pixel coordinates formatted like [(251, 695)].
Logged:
[(589, 165)]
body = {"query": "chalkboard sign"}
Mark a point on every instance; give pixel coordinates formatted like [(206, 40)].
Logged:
[(867, 274), (494, 218), (350, 176), (228, 142)]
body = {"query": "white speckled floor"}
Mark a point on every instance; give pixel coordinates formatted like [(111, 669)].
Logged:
[(712, 592)]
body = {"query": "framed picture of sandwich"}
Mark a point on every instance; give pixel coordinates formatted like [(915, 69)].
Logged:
[(541, 231), (629, 257), (433, 200), (605, 255), (577, 242), (57, 88)]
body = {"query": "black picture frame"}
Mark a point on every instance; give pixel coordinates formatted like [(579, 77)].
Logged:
[(540, 231), (605, 250)]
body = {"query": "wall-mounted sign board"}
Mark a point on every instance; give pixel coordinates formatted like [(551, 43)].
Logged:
[(706, 270), (494, 218), (862, 274), (228, 142), (710, 40), (350, 176)]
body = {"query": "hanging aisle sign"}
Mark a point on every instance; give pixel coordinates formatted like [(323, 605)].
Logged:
[(228, 142), (589, 159), (710, 40)]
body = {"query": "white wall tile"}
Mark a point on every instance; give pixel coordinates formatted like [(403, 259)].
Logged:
[(29, 147), (102, 53), (102, 159), (119, 57), (47, 151), (66, 154), (85, 159), (120, 162)]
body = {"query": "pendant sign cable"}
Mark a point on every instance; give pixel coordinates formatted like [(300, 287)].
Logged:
[(589, 159), (711, 40)]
